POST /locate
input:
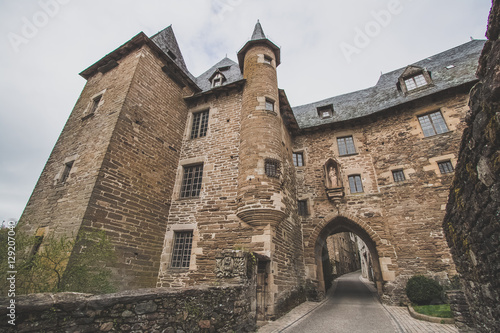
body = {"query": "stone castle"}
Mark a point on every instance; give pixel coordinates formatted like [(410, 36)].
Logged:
[(187, 175)]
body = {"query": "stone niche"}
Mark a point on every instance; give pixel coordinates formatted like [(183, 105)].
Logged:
[(333, 180), (231, 264)]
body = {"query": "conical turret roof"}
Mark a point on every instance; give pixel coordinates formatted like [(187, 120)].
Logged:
[(258, 37), (258, 33)]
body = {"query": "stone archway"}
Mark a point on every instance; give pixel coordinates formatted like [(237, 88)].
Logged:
[(382, 252)]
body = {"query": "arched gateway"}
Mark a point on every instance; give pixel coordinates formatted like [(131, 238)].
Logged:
[(382, 252)]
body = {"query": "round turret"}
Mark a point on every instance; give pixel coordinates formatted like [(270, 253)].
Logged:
[(260, 199)]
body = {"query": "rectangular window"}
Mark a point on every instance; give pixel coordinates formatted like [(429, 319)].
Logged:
[(355, 184), (415, 82), (66, 171), (432, 124), (95, 104), (346, 145), (398, 175), (191, 181), (325, 111), (445, 167), (298, 159), (272, 168), (181, 254), (302, 205), (200, 124), (267, 59), (269, 105)]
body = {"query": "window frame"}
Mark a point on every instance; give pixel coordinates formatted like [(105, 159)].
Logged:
[(272, 168), (427, 123), (199, 124), (182, 249), (325, 111), (445, 167), (268, 59), (417, 80), (295, 157), (302, 207), (191, 185), (356, 180), (345, 146), (218, 80), (271, 103), (66, 171), (401, 175)]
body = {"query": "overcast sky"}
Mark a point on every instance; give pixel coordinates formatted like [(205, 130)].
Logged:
[(327, 48)]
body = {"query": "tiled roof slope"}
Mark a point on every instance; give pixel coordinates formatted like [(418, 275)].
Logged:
[(385, 93), (232, 74), (166, 41)]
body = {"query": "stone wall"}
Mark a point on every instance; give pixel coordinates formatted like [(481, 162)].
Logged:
[(131, 197), (204, 309), (472, 222), (401, 219)]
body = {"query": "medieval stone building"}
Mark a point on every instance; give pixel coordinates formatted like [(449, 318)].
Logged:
[(186, 174)]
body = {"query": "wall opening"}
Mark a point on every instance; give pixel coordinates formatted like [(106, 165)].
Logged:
[(344, 225)]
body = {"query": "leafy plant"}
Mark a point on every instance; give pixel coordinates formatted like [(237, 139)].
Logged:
[(59, 264), (422, 290)]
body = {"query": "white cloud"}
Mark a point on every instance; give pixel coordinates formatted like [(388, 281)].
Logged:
[(39, 84)]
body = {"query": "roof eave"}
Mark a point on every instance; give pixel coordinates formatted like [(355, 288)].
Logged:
[(251, 43), (136, 42)]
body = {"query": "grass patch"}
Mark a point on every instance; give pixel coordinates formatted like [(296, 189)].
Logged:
[(440, 310)]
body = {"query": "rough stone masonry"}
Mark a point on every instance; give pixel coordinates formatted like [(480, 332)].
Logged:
[(472, 222)]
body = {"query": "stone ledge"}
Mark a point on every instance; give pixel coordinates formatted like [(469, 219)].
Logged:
[(261, 216), (437, 320)]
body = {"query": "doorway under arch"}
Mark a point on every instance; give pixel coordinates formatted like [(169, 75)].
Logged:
[(344, 224)]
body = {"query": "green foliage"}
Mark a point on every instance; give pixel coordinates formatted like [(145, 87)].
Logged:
[(422, 290), (437, 310), (59, 264)]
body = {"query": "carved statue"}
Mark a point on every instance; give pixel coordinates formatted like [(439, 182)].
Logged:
[(332, 174)]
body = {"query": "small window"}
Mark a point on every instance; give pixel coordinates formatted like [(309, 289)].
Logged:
[(217, 80), (191, 181), (95, 104), (398, 175), (269, 105), (346, 145), (181, 254), (302, 205), (66, 171), (445, 167), (415, 82), (268, 60), (272, 168), (432, 124), (200, 124), (298, 159), (355, 184), (325, 111)]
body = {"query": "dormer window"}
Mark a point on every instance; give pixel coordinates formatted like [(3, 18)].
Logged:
[(218, 79), (413, 79), (415, 82), (325, 111)]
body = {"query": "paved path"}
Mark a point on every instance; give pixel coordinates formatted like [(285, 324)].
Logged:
[(351, 306)]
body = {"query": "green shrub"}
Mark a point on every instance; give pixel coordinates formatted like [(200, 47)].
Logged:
[(55, 267), (422, 290)]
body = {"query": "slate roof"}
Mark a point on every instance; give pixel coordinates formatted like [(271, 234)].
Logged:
[(167, 42), (385, 93), (232, 74)]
